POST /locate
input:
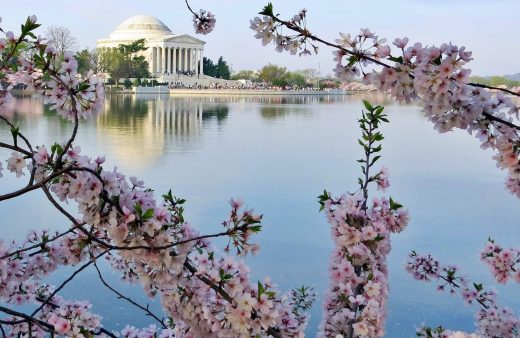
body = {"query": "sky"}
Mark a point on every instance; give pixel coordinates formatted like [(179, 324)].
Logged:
[(489, 28)]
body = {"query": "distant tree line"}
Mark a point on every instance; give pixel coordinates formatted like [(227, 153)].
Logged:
[(279, 76), (495, 81)]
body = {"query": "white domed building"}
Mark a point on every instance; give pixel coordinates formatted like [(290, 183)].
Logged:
[(167, 54)]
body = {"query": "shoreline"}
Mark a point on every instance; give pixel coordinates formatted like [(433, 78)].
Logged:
[(232, 92), (218, 92)]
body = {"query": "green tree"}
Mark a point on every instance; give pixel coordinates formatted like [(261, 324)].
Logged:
[(296, 79), (220, 69), (209, 68), (245, 75), (274, 75), (124, 61), (223, 70), (495, 81), (87, 60)]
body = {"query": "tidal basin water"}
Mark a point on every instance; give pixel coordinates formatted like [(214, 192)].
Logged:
[(278, 153)]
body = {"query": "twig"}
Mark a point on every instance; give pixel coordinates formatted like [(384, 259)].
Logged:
[(66, 281), (480, 85), (120, 295)]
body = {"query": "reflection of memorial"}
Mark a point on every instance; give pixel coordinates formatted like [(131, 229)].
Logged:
[(28, 105), (140, 128)]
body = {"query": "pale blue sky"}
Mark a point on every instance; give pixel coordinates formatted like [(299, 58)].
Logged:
[(489, 28)]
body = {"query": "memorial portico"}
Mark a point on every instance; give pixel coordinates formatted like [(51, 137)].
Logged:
[(167, 53)]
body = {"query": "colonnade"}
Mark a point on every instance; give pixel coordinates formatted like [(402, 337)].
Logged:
[(172, 59)]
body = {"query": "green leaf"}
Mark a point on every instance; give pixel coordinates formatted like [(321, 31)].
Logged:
[(368, 106), (375, 159), (378, 136), (261, 289), (478, 287), (267, 10), (396, 59), (394, 205), (255, 228), (148, 214), (138, 210), (15, 131)]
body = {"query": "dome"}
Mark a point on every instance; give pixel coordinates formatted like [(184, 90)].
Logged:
[(140, 26)]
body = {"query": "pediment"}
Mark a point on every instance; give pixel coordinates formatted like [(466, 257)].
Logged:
[(185, 38)]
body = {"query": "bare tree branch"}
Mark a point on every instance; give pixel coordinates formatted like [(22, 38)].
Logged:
[(120, 295), (66, 281)]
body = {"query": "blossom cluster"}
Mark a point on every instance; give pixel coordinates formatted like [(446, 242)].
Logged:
[(358, 292), (492, 320), (203, 22), (269, 30), (20, 283), (503, 263)]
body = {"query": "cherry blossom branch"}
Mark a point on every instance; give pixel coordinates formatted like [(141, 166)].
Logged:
[(41, 245), (503, 263), (306, 34), (203, 22), (32, 187), (492, 319), (100, 331)]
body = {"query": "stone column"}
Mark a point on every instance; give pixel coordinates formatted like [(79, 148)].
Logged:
[(152, 60), (192, 59), (196, 61), (169, 60), (185, 57), (174, 62), (201, 62), (159, 59), (164, 57)]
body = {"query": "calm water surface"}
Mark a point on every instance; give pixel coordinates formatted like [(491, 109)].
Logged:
[(277, 154)]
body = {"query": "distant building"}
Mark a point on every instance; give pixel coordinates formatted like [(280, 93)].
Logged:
[(167, 53)]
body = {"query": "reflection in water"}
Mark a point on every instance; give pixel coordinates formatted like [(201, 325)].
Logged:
[(277, 111), (28, 105), (218, 113), (141, 127)]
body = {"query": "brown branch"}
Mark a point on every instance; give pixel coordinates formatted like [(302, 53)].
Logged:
[(499, 120), (480, 85), (38, 185), (15, 148), (191, 10), (120, 295), (27, 318)]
